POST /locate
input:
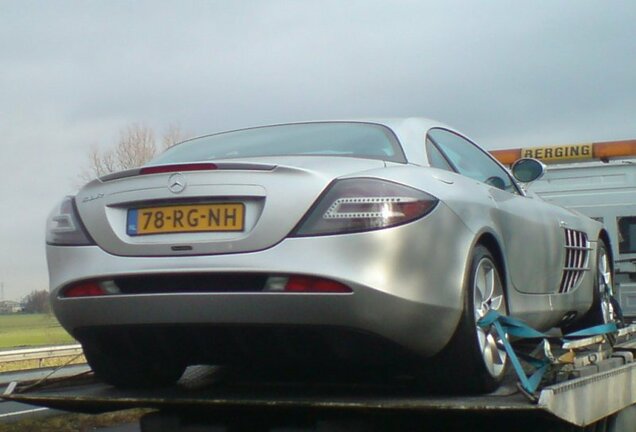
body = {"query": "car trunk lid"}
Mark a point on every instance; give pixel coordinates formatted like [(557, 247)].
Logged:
[(225, 207)]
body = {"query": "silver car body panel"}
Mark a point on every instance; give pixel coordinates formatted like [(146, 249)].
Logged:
[(270, 216), (394, 294), (407, 280)]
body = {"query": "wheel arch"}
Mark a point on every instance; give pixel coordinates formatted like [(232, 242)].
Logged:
[(604, 235), (490, 242)]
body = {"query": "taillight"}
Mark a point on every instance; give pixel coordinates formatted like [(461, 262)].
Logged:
[(64, 227), (304, 284), (158, 169), (90, 288), (355, 205)]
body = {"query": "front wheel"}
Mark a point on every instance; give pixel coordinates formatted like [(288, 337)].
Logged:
[(605, 309)]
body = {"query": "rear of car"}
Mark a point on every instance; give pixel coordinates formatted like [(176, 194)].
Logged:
[(279, 245)]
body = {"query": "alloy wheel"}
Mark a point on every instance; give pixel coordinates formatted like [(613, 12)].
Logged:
[(604, 273), (488, 295)]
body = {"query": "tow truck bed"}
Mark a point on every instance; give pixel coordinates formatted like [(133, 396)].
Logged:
[(603, 390), (581, 402)]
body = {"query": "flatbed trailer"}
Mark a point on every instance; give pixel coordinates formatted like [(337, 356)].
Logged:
[(207, 398)]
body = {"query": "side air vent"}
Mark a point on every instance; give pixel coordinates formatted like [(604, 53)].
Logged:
[(577, 253)]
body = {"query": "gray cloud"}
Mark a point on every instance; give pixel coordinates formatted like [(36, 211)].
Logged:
[(72, 73)]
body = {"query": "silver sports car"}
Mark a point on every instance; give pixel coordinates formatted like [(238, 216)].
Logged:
[(311, 245)]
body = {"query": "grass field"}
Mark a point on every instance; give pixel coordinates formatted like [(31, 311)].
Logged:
[(28, 330), (76, 422)]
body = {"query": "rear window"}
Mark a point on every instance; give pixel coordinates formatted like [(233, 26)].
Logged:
[(362, 140)]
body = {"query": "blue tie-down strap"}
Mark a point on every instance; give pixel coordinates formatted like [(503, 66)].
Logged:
[(510, 326), (601, 329)]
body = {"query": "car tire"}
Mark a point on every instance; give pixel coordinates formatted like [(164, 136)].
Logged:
[(605, 308), (129, 371), (477, 357)]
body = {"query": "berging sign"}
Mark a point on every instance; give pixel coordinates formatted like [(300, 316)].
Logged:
[(559, 153)]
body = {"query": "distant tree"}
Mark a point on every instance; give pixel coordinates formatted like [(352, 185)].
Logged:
[(136, 146), (173, 135), (37, 302)]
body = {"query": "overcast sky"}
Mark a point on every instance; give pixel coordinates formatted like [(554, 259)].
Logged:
[(74, 73)]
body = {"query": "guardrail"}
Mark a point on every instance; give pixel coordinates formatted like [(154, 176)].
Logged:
[(40, 353)]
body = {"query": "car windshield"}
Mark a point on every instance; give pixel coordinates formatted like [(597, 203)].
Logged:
[(363, 140)]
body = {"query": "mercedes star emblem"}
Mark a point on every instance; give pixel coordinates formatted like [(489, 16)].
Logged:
[(177, 183)]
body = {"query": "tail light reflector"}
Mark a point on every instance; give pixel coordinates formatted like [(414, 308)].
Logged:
[(84, 289), (91, 288), (305, 284)]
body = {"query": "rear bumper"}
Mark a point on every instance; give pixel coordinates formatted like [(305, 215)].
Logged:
[(288, 347)]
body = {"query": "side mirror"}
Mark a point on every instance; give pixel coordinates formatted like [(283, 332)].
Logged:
[(527, 170)]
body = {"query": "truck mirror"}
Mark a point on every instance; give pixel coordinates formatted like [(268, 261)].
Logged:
[(527, 170)]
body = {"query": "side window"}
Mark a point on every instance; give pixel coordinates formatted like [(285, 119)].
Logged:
[(471, 161), (436, 158), (626, 234)]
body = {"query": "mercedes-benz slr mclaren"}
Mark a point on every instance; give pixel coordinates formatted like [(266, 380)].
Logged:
[(374, 243)]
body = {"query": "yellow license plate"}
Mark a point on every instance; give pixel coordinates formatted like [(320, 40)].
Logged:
[(224, 217)]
